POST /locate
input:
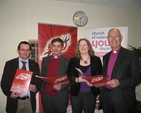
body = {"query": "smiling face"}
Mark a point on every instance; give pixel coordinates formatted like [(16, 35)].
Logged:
[(114, 39), (24, 51), (83, 47)]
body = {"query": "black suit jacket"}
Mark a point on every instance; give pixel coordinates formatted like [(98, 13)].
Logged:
[(127, 71), (96, 69), (7, 79)]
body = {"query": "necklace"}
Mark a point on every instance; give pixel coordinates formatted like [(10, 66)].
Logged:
[(86, 61)]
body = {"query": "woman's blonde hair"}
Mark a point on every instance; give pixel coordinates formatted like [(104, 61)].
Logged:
[(77, 52)]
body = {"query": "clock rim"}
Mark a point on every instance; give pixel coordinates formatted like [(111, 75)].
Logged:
[(74, 18)]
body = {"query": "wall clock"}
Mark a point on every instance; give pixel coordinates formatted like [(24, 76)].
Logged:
[(80, 18)]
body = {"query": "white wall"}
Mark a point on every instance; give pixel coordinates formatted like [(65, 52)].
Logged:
[(19, 21)]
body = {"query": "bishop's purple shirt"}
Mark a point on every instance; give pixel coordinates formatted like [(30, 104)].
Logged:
[(111, 64)]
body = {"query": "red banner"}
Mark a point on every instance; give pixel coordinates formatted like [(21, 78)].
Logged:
[(46, 32)]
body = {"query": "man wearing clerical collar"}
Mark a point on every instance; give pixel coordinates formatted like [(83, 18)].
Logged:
[(55, 56), (123, 72), (54, 97)]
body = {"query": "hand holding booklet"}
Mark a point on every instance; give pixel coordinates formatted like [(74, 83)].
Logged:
[(54, 80), (21, 81), (97, 80)]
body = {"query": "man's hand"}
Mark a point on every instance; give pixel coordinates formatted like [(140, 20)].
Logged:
[(14, 95), (57, 86), (32, 87), (113, 83)]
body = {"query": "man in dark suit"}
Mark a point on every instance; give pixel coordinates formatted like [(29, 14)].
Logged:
[(122, 69), (20, 103), (54, 97)]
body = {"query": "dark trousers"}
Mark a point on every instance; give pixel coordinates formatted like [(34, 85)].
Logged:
[(84, 101), (110, 107), (55, 104)]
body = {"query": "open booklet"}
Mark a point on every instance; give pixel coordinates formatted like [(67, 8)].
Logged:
[(63, 79), (97, 80), (80, 72), (21, 81)]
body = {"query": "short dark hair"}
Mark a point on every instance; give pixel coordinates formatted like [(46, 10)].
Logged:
[(58, 40), (24, 42)]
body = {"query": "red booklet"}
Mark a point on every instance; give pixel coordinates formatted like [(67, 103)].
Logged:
[(21, 81), (97, 81), (54, 80)]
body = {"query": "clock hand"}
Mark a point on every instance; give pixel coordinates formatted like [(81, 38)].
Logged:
[(81, 17), (80, 22)]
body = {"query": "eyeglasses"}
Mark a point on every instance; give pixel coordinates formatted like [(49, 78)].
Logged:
[(116, 36), (23, 50), (84, 45)]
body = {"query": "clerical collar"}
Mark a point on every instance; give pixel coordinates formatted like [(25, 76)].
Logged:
[(116, 51), (55, 57)]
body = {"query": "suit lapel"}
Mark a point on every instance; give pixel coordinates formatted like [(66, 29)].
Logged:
[(30, 65), (106, 63), (118, 61), (16, 64)]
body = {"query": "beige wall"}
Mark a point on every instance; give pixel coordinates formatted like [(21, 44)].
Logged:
[(19, 21)]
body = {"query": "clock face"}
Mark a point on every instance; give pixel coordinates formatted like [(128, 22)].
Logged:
[(80, 18)]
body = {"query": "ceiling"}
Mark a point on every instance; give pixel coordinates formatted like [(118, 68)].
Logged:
[(131, 4)]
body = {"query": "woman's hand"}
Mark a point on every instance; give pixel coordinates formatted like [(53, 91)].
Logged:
[(89, 84), (80, 79)]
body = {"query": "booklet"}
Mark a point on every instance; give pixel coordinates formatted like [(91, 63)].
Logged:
[(21, 81), (80, 72), (63, 79), (97, 80)]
